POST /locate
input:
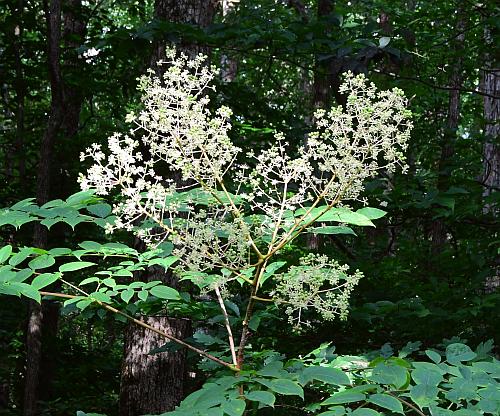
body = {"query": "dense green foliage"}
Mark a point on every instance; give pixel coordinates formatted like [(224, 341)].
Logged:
[(403, 348)]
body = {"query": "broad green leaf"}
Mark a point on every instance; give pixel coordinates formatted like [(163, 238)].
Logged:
[(334, 411), (5, 253), (270, 270), (365, 412), (371, 213), (327, 375), (100, 210), (387, 402), (165, 262), (455, 353), (273, 369), (42, 262), (126, 295), (389, 374), (18, 258), (342, 397), (434, 356), (422, 376), (143, 295), (165, 292), (423, 394), (22, 275), (88, 280), (264, 397), (234, 407), (45, 279), (29, 292), (101, 297), (283, 386), (334, 214), (75, 265), (332, 230), (90, 245)]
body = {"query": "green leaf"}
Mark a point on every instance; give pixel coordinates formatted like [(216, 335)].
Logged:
[(371, 213), (143, 295), (234, 407), (264, 397), (334, 411), (384, 41), (18, 258), (365, 412), (45, 279), (126, 295), (342, 397), (100, 210), (389, 374), (42, 262), (434, 356), (29, 292), (327, 375), (387, 402), (165, 262), (332, 230), (283, 386), (75, 265), (423, 394), (88, 280), (5, 253), (165, 292), (270, 270), (334, 214), (22, 275), (422, 376), (455, 353)]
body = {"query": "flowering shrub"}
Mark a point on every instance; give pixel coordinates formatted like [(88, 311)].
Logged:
[(229, 218), (221, 216)]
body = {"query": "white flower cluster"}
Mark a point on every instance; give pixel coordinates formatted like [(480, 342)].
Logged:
[(213, 229), (319, 284)]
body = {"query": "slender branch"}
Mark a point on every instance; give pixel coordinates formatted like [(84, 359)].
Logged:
[(147, 326), (407, 403), (228, 326)]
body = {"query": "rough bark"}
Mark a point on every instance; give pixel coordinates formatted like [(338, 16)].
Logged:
[(63, 117), (20, 88), (438, 229), (153, 384), (229, 65), (197, 12), (322, 92), (34, 329), (150, 382), (490, 84)]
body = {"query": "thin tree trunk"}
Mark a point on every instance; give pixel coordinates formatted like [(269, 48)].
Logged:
[(63, 118), (321, 93), (490, 84), (438, 229), (34, 330), (20, 94), (155, 383), (229, 65)]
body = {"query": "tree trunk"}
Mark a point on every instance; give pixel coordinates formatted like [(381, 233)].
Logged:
[(155, 383), (34, 330), (438, 229), (152, 384), (490, 84), (64, 115), (229, 65)]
